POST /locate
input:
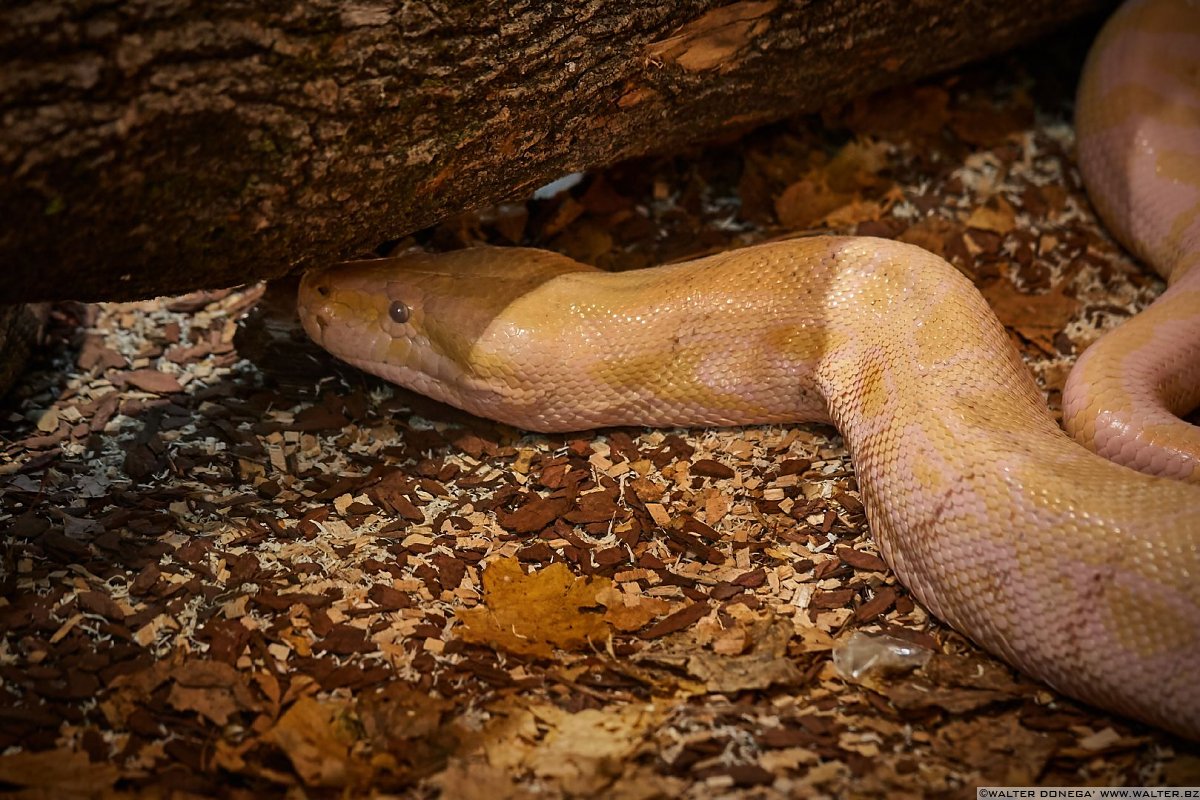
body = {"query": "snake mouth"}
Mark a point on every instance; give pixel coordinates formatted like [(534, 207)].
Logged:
[(322, 320)]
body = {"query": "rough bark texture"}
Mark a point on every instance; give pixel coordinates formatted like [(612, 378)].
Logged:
[(20, 329), (158, 146)]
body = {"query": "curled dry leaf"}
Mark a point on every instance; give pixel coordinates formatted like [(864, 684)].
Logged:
[(763, 661), (765, 665), (586, 751)]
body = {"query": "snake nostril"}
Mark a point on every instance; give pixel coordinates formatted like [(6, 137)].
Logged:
[(322, 290)]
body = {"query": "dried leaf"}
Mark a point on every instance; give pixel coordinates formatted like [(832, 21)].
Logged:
[(627, 612), (214, 704), (857, 165), (932, 233), (470, 780), (56, 773), (996, 215), (766, 665), (48, 421), (853, 213), (317, 737), (532, 614), (587, 751), (806, 202), (677, 621), (583, 754), (1037, 317)]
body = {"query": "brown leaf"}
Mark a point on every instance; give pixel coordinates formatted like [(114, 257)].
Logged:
[(996, 215), (451, 570), (1038, 318), (857, 167), (884, 598), (346, 639), (916, 695), (212, 689), (388, 598), (532, 614), (989, 744), (587, 241), (214, 704), (595, 507), (806, 202), (317, 737), (55, 773), (853, 213), (391, 493), (100, 603), (627, 612), (987, 124), (915, 111), (832, 598), (765, 666), (318, 418), (95, 353), (933, 233)]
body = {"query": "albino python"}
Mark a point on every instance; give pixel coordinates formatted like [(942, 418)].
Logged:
[(1082, 573)]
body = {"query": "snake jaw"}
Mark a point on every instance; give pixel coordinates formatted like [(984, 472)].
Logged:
[(452, 342), (349, 310)]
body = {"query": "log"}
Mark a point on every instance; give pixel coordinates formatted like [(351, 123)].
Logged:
[(160, 146), (21, 329)]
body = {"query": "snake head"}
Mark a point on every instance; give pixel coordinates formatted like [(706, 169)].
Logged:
[(439, 324)]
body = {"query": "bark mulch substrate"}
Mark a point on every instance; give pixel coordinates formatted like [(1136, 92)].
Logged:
[(233, 567)]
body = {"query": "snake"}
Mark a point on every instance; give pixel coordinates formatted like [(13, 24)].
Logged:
[(1079, 571)]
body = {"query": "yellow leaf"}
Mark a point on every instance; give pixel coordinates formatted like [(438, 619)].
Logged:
[(532, 614)]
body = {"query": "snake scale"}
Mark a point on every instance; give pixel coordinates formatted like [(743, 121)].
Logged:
[(1079, 571)]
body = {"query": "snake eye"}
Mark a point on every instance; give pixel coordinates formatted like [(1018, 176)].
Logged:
[(399, 312)]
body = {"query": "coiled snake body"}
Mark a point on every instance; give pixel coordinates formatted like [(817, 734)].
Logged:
[(1079, 571)]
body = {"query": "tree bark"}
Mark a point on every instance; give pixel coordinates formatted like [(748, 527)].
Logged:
[(158, 146), (20, 331)]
